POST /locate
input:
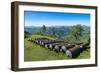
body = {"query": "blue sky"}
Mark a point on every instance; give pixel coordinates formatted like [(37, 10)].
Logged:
[(35, 18)]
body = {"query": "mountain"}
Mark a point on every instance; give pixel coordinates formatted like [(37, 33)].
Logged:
[(57, 31), (32, 29)]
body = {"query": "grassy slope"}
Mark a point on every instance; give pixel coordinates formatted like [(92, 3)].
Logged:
[(41, 36), (84, 54), (34, 52)]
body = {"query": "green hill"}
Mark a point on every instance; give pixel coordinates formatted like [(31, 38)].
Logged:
[(34, 52)]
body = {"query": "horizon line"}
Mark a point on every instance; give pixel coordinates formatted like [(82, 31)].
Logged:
[(55, 25)]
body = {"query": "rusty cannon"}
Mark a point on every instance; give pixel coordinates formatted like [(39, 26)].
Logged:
[(60, 46), (39, 40), (66, 47), (30, 39), (54, 46), (75, 51), (71, 50)]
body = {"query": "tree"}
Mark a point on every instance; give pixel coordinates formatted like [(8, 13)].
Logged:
[(43, 29), (53, 31), (77, 31), (27, 34)]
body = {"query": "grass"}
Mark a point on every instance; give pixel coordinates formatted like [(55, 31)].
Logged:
[(84, 54), (34, 52), (41, 36)]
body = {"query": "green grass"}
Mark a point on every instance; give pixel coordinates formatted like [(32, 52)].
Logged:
[(34, 52), (41, 36), (84, 54)]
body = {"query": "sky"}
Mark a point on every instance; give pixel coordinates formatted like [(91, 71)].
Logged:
[(36, 18)]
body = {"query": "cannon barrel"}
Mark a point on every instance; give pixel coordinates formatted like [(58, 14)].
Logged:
[(56, 45), (71, 49), (66, 47), (75, 51)]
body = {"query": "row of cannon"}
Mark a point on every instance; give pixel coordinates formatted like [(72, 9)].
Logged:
[(71, 50)]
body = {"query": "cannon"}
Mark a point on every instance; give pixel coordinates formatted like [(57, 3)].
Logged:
[(72, 50), (66, 47), (30, 39), (75, 51), (56, 46), (51, 45), (40, 40)]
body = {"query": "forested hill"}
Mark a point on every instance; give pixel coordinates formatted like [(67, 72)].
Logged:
[(62, 30), (33, 29)]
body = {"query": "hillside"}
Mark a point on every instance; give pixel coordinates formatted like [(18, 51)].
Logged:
[(61, 32), (34, 52)]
